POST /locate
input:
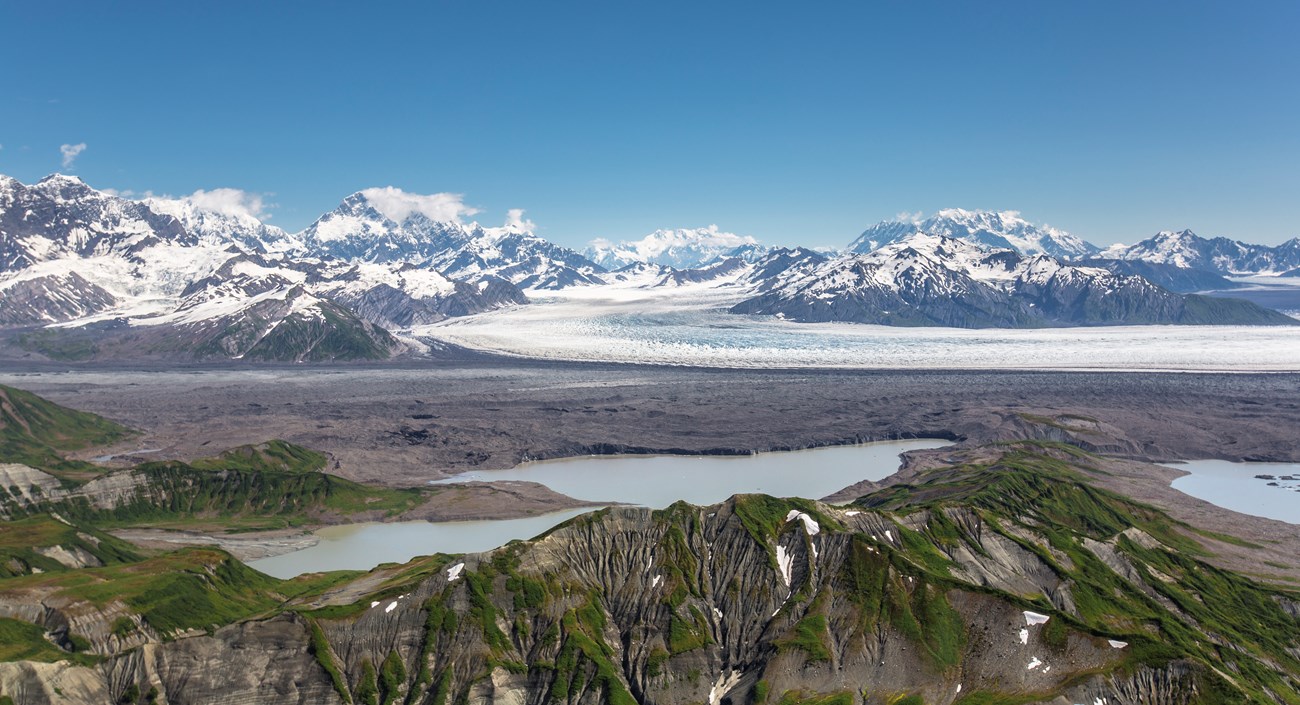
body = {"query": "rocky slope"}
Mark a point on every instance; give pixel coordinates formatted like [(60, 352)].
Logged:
[(1002, 576)]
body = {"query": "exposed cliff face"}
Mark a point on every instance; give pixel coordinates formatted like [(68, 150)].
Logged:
[(1012, 580)]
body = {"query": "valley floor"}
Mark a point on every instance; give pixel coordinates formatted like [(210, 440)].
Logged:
[(405, 425)]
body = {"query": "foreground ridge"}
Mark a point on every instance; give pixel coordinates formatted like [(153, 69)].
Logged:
[(1003, 575)]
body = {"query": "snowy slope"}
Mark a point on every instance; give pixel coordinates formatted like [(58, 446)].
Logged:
[(388, 225), (991, 229), (937, 280), (683, 248), (215, 223), (1185, 248)]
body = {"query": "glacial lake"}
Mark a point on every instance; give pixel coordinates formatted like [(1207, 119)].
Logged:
[(652, 481), (1235, 486)]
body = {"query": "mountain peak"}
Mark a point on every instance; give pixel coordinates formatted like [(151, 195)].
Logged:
[(994, 229), (57, 178), (681, 248)]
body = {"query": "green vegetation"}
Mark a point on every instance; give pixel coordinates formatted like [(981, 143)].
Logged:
[(809, 636), (367, 691), (687, 633), (763, 516), (64, 344), (23, 641), (193, 588), (320, 648), (336, 335), (1038, 490), (392, 676), (34, 431), (270, 486), (272, 456), (25, 543)]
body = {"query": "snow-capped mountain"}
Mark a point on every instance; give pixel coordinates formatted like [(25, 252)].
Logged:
[(187, 280), (214, 221), (387, 225), (60, 216), (991, 229), (1185, 248), (680, 249), (398, 295), (937, 280), (249, 311), (1177, 279)]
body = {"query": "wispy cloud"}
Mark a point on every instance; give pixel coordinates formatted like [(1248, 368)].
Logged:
[(906, 217), (70, 153), (398, 205), (231, 201), (515, 220)]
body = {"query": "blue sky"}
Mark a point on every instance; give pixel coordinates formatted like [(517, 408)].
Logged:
[(794, 124)]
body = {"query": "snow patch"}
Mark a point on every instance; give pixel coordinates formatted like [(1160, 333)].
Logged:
[(1033, 663), (1034, 618), (724, 683), (1024, 636), (454, 572), (1114, 644), (810, 525), (391, 606), (785, 562)]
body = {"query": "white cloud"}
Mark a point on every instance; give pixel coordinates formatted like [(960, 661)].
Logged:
[(906, 217), (128, 193), (230, 201), (70, 152), (515, 220), (398, 205)]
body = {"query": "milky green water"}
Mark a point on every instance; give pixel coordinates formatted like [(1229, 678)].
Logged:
[(1234, 486), (653, 481)]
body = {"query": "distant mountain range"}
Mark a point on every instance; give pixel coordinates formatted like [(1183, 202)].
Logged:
[(101, 275), (1004, 230), (929, 280), (680, 249), (86, 274), (1188, 250)]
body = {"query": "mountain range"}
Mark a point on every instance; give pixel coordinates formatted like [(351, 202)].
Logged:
[(926, 280), (89, 274)]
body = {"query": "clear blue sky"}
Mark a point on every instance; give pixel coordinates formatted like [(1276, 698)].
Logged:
[(797, 123)]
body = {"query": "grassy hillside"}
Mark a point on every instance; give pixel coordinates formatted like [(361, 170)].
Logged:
[(47, 544), (34, 430)]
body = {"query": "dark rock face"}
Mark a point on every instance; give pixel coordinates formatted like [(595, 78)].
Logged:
[(1182, 280), (51, 298)]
